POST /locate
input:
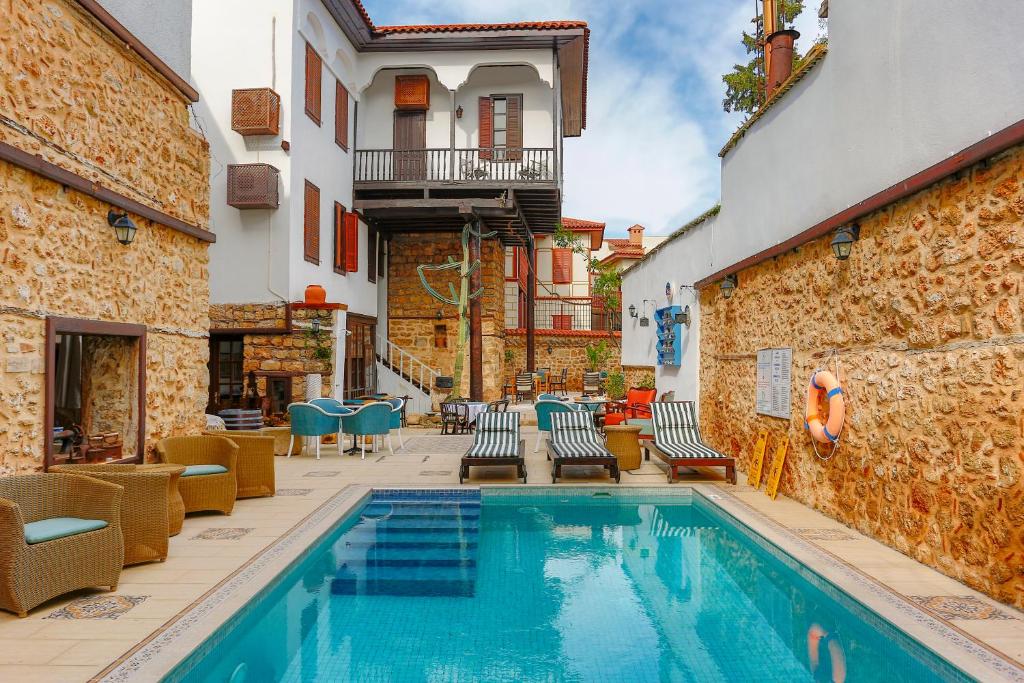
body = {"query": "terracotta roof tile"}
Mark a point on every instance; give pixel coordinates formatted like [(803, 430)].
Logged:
[(364, 14), (507, 26), (581, 224)]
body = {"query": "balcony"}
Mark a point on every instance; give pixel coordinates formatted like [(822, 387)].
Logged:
[(481, 167), (564, 314)]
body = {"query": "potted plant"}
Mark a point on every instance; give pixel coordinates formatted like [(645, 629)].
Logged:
[(615, 385), (597, 355)]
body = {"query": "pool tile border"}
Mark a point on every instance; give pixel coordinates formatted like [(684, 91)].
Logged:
[(164, 649), (950, 643)]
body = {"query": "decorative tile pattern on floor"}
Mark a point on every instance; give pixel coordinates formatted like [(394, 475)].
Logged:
[(960, 607), (221, 534), (435, 473), (824, 534), (98, 607), (293, 492), (434, 445), (322, 473)]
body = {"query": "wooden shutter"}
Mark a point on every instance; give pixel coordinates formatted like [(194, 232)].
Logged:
[(561, 266), (313, 78), (339, 238), (371, 254), (351, 243), (514, 123), (381, 256), (486, 127), (341, 115), (311, 224)]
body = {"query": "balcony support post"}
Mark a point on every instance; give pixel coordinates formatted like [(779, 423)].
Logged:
[(451, 141), (531, 295), (476, 340)]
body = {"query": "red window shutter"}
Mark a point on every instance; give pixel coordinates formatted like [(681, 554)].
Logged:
[(313, 78), (311, 223), (339, 238), (341, 115), (351, 242), (514, 121), (486, 127), (561, 266), (371, 254)]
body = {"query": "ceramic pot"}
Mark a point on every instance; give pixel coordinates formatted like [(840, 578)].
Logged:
[(315, 294)]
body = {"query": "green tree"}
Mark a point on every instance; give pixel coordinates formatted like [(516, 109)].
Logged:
[(607, 280), (745, 84)]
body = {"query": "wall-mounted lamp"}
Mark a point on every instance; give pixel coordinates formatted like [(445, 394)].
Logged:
[(124, 227), (315, 326), (683, 317), (550, 349), (439, 314), (632, 311), (458, 112), (729, 284), (644, 320), (842, 243)]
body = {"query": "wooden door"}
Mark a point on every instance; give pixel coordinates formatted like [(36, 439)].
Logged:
[(360, 356), (410, 145)]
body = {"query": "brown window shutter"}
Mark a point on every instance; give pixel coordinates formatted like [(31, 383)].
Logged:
[(371, 254), (339, 238), (313, 78), (380, 255), (486, 127), (341, 115), (514, 136), (561, 266), (351, 242), (311, 223)]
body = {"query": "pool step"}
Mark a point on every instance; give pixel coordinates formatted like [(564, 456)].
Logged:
[(411, 548)]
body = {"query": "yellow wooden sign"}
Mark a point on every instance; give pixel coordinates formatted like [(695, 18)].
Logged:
[(775, 474), (757, 460)]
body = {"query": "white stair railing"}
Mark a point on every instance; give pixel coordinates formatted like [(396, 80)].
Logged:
[(408, 367)]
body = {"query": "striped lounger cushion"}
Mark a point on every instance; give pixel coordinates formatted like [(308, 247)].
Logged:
[(573, 436), (676, 431), (497, 436)]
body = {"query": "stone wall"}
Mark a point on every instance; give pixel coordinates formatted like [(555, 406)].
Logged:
[(74, 95), (568, 350), (635, 374), (927, 314), (413, 322), (110, 381)]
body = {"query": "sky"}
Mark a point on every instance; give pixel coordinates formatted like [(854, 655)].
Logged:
[(655, 121)]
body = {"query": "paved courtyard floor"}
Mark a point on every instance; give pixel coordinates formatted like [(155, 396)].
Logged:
[(78, 637)]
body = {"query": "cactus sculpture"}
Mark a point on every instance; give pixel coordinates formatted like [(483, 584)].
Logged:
[(458, 299)]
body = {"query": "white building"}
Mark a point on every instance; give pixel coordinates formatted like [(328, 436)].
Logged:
[(478, 113)]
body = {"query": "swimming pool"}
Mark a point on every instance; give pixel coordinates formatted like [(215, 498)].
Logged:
[(552, 585)]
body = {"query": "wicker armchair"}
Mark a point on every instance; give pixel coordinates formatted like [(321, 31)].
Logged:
[(255, 462), (215, 492), (144, 520), (31, 574)]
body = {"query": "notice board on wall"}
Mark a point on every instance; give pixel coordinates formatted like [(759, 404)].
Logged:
[(774, 382)]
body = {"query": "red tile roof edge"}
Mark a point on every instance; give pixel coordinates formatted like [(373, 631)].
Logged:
[(581, 224), (504, 26)]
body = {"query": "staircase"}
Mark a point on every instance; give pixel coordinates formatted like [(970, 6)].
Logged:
[(417, 547), (399, 373)]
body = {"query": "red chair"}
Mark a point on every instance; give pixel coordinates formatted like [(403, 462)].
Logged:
[(637, 405)]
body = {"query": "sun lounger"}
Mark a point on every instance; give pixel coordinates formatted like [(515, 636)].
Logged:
[(496, 442), (677, 440), (575, 441)]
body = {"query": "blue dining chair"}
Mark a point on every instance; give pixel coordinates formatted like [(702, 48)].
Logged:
[(544, 410), (308, 419), (396, 418), (369, 419)]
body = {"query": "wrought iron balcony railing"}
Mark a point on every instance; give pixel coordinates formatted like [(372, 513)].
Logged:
[(468, 165), (568, 313)]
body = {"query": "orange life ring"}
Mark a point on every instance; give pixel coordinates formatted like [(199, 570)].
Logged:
[(823, 381)]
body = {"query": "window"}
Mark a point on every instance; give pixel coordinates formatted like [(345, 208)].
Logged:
[(341, 115), (501, 127), (339, 239), (371, 254), (313, 78), (561, 266), (311, 224)]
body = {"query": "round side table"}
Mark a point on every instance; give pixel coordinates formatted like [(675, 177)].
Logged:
[(624, 444), (175, 505)]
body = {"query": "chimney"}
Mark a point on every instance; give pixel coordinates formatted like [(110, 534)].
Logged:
[(636, 235), (779, 45)]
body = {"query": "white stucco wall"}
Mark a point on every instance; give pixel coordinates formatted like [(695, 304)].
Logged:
[(249, 261), (903, 86), (162, 25), (377, 111)]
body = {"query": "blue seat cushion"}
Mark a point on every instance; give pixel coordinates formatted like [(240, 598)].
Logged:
[(59, 527), (199, 470)]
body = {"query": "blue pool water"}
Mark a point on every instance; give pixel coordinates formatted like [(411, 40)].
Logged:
[(569, 586)]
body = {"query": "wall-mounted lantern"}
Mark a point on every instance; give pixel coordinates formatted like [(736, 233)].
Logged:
[(124, 227), (632, 311), (550, 349), (729, 284), (314, 326), (644, 320), (439, 314), (458, 112), (683, 317), (842, 243)]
